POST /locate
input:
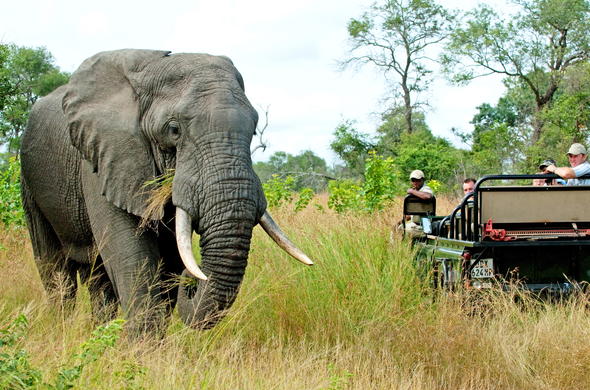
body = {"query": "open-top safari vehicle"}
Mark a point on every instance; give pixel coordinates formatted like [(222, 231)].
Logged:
[(535, 237)]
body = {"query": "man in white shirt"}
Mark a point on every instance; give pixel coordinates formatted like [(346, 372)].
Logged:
[(579, 166)]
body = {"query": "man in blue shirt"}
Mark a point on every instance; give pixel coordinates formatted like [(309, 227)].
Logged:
[(579, 166)]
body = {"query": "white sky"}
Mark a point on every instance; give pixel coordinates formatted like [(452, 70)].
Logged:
[(286, 52)]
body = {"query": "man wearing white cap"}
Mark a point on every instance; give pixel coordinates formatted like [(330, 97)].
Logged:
[(577, 157), (418, 188)]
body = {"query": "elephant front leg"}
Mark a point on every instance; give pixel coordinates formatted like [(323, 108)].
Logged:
[(103, 299), (131, 259)]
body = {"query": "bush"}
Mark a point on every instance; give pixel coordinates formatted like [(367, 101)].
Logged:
[(280, 191), (17, 372), (11, 208), (380, 181), (345, 195), (381, 185)]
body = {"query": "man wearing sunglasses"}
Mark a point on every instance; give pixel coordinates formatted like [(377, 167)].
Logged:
[(579, 166)]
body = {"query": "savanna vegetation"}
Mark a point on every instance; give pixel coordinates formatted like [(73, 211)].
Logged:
[(364, 317), (361, 318)]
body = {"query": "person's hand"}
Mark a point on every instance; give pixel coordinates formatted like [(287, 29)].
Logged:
[(550, 169)]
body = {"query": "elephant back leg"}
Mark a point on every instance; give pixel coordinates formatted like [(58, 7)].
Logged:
[(57, 273)]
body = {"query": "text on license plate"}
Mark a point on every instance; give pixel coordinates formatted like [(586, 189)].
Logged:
[(483, 269)]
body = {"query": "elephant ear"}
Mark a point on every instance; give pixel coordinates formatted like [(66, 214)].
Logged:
[(102, 109)]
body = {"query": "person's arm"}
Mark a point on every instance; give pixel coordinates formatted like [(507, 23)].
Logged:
[(564, 172), (420, 194)]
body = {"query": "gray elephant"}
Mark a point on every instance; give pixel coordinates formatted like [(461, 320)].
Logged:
[(90, 147)]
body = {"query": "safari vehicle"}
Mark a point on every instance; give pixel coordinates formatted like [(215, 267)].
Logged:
[(535, 237)]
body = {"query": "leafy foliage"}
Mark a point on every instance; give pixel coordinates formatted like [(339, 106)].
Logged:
[(535, 45), (307, 169), (17, 372), (434, 155), (305, 197), (103, 337), (393, 126), (11, 209), (352, 147), (381, 185), (345, 195), (278, 191), (380, 181), (25, 75)]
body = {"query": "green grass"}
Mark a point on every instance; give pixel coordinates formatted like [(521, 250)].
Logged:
[(360, 318)]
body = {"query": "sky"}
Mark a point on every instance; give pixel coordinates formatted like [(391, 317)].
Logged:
[(287, 53)]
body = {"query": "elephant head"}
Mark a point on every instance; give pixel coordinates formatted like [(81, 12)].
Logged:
[(134, 114)]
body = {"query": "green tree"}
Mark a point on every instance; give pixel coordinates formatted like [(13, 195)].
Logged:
[(5, 86), (567, 119), (393, 126), (307, 169), (394, 35), (434, 155), (352, 147), (498, 138), (29, 74), (536, 45)]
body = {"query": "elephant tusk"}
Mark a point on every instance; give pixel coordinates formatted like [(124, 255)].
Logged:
[(273, 230), (184, 241)]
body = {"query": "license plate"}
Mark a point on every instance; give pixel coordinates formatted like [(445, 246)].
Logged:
[(483, 269)]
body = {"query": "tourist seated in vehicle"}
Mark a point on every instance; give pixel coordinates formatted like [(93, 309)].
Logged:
[(543, 170), (421, 190), (418, 188), (579, 166), (468, 185)]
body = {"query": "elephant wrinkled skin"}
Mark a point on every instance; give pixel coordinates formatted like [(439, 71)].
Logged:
[(125, 118)]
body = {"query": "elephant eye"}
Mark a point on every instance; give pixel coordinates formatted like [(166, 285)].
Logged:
[(174, 129)]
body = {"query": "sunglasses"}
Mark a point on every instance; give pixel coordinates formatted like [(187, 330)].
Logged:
[(415, 180)]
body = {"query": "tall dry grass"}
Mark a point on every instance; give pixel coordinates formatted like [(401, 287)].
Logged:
[(361, 318)]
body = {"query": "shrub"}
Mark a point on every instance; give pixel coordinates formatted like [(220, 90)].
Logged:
[(279, 191), (380, 181), (381, 185), (305, 197), (345, 195), (11, 209), (16, 371)]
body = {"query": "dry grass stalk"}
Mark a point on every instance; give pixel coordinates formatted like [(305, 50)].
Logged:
[(160, 194)]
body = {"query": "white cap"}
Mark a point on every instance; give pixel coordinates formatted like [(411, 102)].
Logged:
[(417, 174), (577, 149)]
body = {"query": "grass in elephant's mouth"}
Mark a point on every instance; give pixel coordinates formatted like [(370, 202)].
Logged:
[(361, 318), (160, 190)]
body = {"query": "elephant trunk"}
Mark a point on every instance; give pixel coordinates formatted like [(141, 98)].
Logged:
[(226, 213), (224, 255)]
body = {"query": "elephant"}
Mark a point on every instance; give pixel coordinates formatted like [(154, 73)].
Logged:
[(90, 156)]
